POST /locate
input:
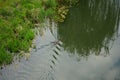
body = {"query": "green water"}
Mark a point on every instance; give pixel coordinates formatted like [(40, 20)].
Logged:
[(90, 27), (84, 47)]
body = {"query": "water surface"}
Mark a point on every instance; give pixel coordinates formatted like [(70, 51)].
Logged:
[(84, 47)]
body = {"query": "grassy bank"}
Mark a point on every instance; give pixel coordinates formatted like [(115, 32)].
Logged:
[(18, 18)]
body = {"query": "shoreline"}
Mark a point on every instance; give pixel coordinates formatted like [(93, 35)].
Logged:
[(19, 18)]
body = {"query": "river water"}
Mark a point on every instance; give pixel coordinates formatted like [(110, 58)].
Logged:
[(86, 46)]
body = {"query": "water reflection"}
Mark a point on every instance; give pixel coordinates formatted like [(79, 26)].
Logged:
[(90, 27), (83, 32)]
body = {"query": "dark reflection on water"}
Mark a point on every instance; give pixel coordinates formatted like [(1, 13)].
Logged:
[(90, 30), (90, 26)]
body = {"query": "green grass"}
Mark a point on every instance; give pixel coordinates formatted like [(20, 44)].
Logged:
[(5, 58), (17, 20)]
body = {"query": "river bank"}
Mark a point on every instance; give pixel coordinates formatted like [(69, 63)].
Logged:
[(83, 47), (19, 18)]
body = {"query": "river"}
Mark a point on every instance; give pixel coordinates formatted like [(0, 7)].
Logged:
[(86, 46)]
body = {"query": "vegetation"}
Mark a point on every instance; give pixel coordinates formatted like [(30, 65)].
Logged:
[(63, 8), (17, 20)]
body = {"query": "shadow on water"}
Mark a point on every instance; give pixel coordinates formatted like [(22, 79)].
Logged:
[(90, 27)]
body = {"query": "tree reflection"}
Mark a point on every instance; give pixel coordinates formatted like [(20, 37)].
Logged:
[(90, 27)]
